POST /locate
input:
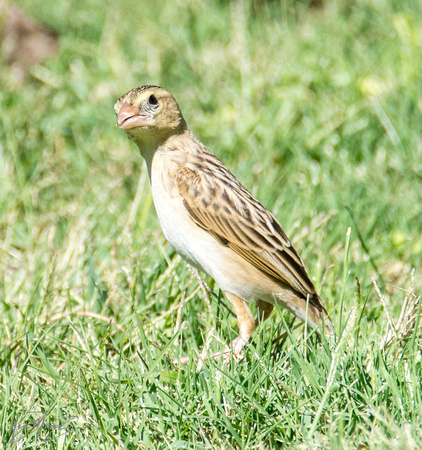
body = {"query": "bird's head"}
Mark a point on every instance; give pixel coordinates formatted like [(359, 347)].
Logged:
[(149, 114)]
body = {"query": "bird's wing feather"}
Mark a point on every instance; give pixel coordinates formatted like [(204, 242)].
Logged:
[(218, 203)]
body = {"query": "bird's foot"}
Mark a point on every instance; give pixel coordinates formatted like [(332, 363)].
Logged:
[(235, 349)]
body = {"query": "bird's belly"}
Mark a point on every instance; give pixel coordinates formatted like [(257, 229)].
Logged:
[(230, 271)]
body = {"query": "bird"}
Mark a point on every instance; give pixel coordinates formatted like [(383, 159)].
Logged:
[(213, 221)]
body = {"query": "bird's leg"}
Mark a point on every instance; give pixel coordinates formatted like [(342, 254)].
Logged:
[(246, 325), (245, 322)]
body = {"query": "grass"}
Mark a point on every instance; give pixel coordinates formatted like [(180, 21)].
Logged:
[(318, 112)]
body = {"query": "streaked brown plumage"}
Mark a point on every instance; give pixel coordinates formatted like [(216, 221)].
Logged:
[(212, 220)]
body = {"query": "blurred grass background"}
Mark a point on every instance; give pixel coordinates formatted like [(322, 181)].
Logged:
[(318, 112)]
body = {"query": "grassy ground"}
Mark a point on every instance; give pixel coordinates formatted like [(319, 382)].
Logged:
[(319, 113)]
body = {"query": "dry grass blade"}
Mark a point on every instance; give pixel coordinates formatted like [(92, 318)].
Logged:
[(410, 314)]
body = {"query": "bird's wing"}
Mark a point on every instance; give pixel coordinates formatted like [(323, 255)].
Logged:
[(218, 203)]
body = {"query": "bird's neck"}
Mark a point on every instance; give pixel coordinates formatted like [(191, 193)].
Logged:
[(183, 142)]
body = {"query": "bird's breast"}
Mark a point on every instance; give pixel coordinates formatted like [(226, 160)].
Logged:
[(189, 240)]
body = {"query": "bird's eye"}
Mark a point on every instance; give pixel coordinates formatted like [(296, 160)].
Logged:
[(153, 100)]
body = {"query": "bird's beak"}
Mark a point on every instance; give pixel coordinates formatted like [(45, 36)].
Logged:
[(130, 116)]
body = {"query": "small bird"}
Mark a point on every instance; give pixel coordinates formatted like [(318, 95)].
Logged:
[(213, 221)]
